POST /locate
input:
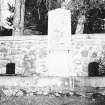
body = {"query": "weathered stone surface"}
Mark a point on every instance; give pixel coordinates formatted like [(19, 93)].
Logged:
[(59, 29), (26, 86), (85, 51), (25, 52), (58, 63), (31, 55)]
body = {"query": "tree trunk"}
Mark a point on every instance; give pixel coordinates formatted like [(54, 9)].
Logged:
[(22, 16), (0, 12), (80, 25), (19, 17)]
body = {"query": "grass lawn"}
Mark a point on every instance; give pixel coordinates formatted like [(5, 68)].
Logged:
[(48, 100)]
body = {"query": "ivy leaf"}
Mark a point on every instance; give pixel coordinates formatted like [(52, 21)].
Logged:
[(11, 8), (10, 20)]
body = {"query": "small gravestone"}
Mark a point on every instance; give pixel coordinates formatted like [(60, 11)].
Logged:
[(59, 29)]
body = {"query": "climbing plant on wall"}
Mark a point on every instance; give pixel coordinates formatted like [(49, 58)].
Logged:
[(7, 23), (11, 8), (101, 62)]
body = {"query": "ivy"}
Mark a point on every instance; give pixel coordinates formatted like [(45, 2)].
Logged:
[(11, 8), (101, 62)]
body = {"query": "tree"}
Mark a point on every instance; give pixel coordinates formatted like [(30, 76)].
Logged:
[(83, 8), (41, 7), (6, 18), (19, 17), (36, 16)]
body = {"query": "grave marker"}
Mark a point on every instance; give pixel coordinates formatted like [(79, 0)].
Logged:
[(59, 29)]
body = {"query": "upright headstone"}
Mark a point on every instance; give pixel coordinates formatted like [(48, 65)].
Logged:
[(59, 29), (59, 38)]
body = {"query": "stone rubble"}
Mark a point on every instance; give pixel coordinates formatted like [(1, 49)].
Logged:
[(16, 92), (24, 92)]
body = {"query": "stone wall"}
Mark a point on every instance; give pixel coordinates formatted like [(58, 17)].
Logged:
[(75, 59), (86, 49), (27, 52), (31, 56)]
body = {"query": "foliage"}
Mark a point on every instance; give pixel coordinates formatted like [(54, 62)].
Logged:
[(50, 4), (46, 2), (11, 8), (101, 62), (94, 12), (85, 4), (36, 15)]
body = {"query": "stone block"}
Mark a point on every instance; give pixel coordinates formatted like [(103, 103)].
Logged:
[(59, 29), (59, 63), (25, 52)]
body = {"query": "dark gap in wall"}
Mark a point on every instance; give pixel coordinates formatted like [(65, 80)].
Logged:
[(5, 32), (10, 68), (93, 69)]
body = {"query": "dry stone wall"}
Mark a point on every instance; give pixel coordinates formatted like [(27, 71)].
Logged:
[(28, 53), (86, 49), (74, 61), (31, 55)]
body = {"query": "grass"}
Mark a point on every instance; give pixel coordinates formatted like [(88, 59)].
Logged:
[(48, 100)]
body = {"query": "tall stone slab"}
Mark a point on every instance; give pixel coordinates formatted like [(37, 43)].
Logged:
[(59, 38), (59, 29)]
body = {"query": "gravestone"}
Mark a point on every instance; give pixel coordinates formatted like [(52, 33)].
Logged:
[(59, 37), (59, 29), (58, 64)]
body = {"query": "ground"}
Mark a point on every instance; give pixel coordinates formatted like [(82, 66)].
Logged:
[(80, 95), (49, 100)]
